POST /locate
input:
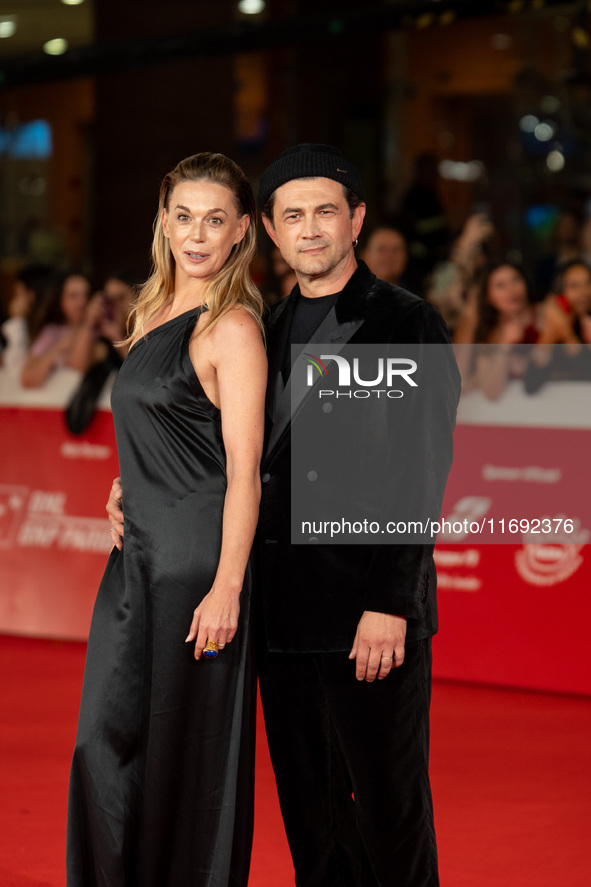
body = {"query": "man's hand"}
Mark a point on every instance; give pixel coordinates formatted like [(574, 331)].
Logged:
[(379, 645), (115, 513)]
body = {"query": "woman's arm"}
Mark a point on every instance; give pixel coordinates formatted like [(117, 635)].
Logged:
[(493, 370), (465, 331), (84, 345), (44, 357), (556, 326), (237, 354), (16, 334)]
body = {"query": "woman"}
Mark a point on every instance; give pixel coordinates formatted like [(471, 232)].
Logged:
[(33, 287), (566, 315), (161, 789), (66, 338), (563, 353), (502, 317), (452, 281), (110, 309)]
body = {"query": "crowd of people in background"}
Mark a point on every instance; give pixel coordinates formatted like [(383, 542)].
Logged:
[(56, 320), (491, 305)]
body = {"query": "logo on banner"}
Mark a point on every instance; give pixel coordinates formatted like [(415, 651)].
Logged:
[(552, 563), (37, 519), (12, 505)]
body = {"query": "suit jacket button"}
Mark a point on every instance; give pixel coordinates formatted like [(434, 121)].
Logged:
[(266, 477), (312, 475)]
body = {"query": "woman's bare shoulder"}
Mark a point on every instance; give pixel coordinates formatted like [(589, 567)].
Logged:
[(236, 325)]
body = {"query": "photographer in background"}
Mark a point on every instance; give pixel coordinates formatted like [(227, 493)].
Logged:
[(32, 289), (108, 311)]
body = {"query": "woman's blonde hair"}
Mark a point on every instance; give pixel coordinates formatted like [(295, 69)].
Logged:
[(232, 285)]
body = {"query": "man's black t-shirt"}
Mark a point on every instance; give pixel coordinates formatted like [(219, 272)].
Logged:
[(307, 317)]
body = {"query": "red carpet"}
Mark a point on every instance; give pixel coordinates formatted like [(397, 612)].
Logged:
[(511, 779)]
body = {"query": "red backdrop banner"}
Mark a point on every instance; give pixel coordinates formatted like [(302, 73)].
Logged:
[(514, 606), (54, 534)]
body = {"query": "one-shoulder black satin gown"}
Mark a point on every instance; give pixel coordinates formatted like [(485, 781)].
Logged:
[(161, 788)]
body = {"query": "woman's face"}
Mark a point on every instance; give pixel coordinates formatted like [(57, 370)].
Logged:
[(202, 225), (22, 300), (74, 298), (507, 290), (576, 286)]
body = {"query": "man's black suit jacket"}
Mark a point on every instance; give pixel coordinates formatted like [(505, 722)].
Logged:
[(312, 596)]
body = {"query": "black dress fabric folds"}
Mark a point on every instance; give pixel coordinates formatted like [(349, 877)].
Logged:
[(161, 789)]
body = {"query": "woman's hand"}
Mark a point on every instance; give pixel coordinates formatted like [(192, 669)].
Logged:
[(215, 619), (115, 513), (477, 229), (39, 366), (95, 311), (511, 332), (586, 328), (20, 304)]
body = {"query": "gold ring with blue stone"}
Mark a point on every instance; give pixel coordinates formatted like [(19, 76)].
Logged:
[(211, 648)]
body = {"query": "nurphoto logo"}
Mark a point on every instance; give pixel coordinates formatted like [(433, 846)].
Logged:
[(385, 371)]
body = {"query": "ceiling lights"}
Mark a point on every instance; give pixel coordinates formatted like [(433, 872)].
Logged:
[(57, 46), (251, 7), (7, 26)]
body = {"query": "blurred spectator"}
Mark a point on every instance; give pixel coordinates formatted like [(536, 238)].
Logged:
[(566, 317), (423, 217), (67, 337), (564, 248), (585, 242), (32, 288), (386, 254), (109, 309), (501, 312), (498, 318), (564, 353), (117, 297), (281, 279), (451, 280)]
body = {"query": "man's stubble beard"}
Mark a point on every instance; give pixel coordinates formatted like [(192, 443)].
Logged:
[(318, 266)]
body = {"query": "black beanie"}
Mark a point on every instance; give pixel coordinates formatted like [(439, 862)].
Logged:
[(310, 160)]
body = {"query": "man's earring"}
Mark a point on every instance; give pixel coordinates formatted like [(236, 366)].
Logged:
[(355, 242)]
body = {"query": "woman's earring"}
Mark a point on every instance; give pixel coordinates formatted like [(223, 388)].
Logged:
[(355, 242)]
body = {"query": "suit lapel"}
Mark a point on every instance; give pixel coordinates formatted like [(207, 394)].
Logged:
[(277, 334), (338, 327), (288, 403)]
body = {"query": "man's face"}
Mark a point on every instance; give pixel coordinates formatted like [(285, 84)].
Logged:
[(312, 226)]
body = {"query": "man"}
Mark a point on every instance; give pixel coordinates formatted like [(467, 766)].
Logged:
[(386, 254), (345, 631), (350, 752)]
